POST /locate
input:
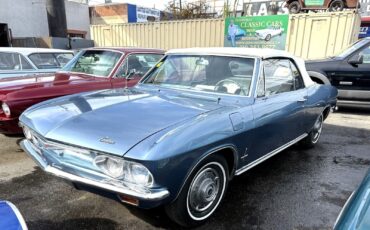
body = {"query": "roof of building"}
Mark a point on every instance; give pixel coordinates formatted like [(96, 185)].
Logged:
[(252, 52), (26, 51)]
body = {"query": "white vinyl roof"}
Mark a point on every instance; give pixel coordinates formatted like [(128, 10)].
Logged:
[(26, 51), (251, 52), (248, 52)]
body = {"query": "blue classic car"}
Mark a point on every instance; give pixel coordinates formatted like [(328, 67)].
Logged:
[(355, 214), (198, 118), (239, 33), (10, 217)]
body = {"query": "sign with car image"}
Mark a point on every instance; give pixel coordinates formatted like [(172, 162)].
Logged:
[(257, 31)]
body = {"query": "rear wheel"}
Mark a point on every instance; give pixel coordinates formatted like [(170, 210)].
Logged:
[(314, 136), (294, 7), (202, 193), (336, 5)]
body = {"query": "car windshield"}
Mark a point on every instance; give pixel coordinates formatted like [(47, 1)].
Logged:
[(349, 49), (95, 62), (221, 74)]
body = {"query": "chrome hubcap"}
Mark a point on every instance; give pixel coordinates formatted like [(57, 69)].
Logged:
[(317, 128), (204, 190)]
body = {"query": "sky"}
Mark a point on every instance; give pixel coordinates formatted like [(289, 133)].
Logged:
[(158, 4)]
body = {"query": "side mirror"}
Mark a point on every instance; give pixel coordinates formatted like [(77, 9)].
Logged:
[(356, 60)]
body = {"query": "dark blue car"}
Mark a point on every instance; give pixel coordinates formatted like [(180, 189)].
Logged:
[(198, 118)]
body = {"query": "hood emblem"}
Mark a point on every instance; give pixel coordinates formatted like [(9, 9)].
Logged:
[(107, 140)]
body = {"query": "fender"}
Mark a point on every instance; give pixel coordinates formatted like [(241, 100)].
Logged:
[(208, 153), (319, 76)]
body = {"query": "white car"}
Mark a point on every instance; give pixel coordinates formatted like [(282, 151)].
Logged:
[(269, 32), (25, 61)]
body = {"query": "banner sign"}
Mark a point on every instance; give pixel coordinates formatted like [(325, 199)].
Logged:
[(142, 14), (257, 31), (364, 32), (260, 8)]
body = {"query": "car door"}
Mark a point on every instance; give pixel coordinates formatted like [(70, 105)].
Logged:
[(354, 77), (133, 69), (279, 107)]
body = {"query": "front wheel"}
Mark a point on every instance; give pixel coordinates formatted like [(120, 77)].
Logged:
[(268, 37), (202, 193), (314, 136)]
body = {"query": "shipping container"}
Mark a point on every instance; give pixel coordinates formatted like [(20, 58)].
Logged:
[(310, 36)]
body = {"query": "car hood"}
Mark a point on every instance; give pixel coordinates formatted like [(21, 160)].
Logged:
[(12, 84), (113, 121)]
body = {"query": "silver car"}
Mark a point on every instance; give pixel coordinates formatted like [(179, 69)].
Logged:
[(25, 61)]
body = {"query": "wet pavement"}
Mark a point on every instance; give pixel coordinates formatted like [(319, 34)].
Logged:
[(296, 189)]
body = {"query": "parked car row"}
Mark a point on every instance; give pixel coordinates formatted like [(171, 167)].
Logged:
[(167, 129)]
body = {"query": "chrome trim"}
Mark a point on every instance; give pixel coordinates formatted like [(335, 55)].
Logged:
[(353, 94), (150, 195), (267, 156)]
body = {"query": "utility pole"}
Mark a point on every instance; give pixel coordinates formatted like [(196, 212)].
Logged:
[(180, 6)]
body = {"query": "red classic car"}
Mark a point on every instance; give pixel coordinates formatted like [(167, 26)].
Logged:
[(91, 69)]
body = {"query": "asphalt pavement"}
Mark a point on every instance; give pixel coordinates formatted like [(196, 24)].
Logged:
[(296, 189)]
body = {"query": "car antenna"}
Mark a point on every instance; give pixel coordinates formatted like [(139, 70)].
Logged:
[(218, 100)]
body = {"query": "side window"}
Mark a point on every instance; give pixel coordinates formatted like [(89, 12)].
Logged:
[(13, 61), (25, 65), (281, 75), (366, 54), (63, 58), (44, 60), (141, 63)]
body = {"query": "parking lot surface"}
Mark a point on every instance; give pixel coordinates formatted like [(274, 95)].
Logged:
[(296, 189)]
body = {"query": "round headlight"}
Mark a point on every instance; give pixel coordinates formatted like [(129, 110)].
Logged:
[(27, 133), (140, 175), (6, 109), (113, 167), (127, 171)]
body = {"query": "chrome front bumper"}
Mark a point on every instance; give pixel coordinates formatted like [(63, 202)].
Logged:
[(152, 195)]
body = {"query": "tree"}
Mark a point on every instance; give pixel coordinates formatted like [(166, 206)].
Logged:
[(189, 10)]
